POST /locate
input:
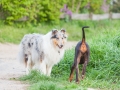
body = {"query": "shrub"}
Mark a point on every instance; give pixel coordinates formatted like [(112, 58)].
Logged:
[(34, 11)]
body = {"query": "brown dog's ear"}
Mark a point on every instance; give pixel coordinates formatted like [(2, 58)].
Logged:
[(63, 30), (54, 31)]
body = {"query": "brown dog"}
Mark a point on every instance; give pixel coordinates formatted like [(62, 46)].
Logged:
[(82, 54)]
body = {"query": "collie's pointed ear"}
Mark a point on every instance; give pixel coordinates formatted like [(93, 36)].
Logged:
[(63, 30), (54, 31)]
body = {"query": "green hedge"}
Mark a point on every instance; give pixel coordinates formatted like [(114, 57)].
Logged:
[(35, 11)]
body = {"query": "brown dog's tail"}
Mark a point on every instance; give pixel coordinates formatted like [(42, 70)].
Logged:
[(83, 33)]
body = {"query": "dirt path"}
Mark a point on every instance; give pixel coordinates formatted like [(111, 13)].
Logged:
[(10, 68)]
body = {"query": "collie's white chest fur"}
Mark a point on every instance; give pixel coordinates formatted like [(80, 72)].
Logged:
[(53, 55)]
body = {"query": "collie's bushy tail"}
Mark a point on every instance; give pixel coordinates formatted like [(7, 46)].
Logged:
[(21, 54)]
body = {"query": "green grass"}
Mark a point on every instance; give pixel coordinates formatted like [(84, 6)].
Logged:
[(103, 70), (13, 34)]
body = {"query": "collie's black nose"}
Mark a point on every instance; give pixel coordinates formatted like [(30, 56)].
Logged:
[(61, 46)]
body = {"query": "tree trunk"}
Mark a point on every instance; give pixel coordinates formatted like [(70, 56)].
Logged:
[(78, 6)]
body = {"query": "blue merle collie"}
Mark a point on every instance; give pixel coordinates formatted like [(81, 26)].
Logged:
[(42, 52)]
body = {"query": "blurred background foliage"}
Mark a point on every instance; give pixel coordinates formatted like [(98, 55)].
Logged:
[(116, 6), (37, 11)]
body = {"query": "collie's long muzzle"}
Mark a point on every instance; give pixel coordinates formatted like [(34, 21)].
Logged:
[(60, 46)]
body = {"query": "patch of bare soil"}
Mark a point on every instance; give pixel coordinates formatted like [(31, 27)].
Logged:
[(10, 68)]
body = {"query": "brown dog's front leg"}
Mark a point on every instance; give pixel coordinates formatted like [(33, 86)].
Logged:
[(84, 69)]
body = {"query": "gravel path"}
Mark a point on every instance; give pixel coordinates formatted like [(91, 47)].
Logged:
[(10, 68)]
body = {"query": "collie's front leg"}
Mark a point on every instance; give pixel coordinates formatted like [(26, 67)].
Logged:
[(48, 69), (43, 68)]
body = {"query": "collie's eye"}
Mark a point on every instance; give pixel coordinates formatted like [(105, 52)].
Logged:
[(62, 38), (65, 37)]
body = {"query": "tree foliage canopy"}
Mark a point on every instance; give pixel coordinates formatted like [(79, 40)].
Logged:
[(37, 11), (116, 6), (34, 10)]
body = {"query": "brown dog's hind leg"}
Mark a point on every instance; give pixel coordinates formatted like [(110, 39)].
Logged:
[(72, 72), (77, 74), (77, 68)]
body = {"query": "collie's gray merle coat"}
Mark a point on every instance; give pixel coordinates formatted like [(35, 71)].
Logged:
[(42, 52)]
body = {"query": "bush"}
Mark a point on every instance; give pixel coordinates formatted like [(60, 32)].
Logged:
[(34, 11)]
